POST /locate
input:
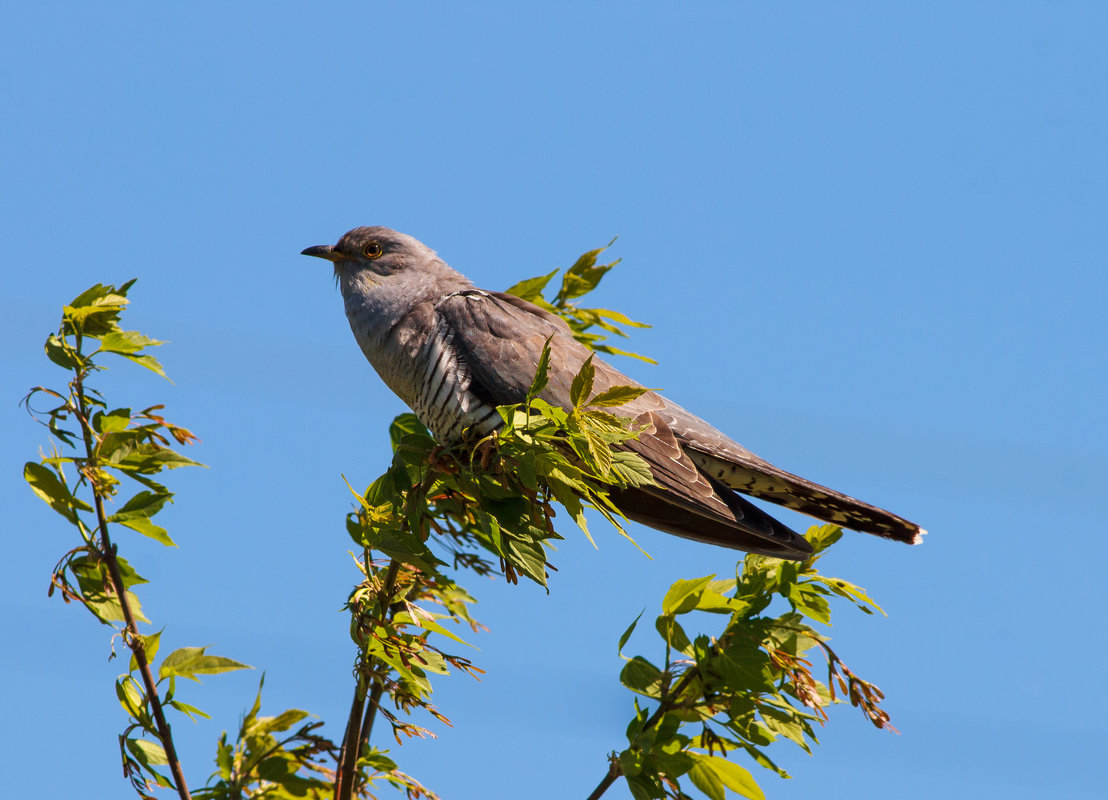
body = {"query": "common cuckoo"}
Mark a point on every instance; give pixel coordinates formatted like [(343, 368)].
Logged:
[(454, 352)]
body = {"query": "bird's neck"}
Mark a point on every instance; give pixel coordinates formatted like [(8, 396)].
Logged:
[(376, 305)]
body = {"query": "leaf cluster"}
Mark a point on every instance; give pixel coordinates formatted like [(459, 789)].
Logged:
[(492, 499), (141, 746), (497, 494), (580, 279), (107, 451), (744, 688), (108, 457)]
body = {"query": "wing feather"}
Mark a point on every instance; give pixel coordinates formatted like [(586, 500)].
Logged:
[(501, 339)]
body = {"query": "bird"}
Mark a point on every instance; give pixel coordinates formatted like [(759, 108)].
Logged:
[(454, 352)]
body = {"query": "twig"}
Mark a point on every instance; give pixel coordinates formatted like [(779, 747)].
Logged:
[(132, 637), (664, 706), (370, 713), (357, 728)]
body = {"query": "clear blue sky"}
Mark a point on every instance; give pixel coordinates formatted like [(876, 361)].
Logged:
[(871, 240)]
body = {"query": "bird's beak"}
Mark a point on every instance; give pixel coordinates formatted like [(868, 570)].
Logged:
[(326, 251)]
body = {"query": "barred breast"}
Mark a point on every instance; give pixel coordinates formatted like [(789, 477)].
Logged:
[(443, 399)]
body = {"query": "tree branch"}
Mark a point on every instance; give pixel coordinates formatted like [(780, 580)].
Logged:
[(664, 706), (357, 728), (132, 637)]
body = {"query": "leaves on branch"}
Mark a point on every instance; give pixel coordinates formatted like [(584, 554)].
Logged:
[(746, 687), (580, 279)]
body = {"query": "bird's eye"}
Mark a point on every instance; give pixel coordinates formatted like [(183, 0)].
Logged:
[(372, 250)]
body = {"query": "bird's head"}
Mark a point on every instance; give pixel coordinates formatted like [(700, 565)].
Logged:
[(375, 252), (382, 273)]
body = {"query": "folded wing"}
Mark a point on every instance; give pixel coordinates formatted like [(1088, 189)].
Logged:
[(500, 338)]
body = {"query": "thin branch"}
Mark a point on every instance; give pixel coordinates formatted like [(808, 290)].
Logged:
[(357, 729), (348, 753), (370, 713), (614, 773), (664, 706), (132, 637)]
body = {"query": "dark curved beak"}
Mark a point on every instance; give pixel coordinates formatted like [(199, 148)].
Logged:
[(326, 251)]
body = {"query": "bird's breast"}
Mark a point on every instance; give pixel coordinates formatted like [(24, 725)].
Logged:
[(425, 371)]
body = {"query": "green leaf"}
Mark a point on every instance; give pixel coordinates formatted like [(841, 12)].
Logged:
[(617, 396), (151, 644), (147, 753), (191, 711), (148, 459), (583, 276), (95, 312), (790, 725), (541, 372), (851, 592), (188, 662), (622, 319), (143, 505), (113, 421), (378, 760), (431, 625), (726, 774), (743, 666), (531, 288), (47, 485), (581, 387), (823, 536), (807, 599), (282, 722), (149, 362), (631, 469), (706, 779), (640, 676), (673, 634), (224, 757), (684, 595), (125, 342), (615, 351), (379, 530), (149, 530), (627, 633), (62, 353), (130, 697), (96, 589), (406, 425)]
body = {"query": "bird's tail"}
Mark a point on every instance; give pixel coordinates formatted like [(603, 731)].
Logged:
[(767, 482)]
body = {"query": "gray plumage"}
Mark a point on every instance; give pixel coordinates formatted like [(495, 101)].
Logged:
[(453, 352)]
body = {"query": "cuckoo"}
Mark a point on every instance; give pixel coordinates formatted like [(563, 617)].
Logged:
[(453, 353)]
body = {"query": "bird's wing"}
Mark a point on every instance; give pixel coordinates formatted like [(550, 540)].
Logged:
[(737, 468), (500, 339)]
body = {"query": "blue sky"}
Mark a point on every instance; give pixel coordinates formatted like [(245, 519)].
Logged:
[(870, 238)]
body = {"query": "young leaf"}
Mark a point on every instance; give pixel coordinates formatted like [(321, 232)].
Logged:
[(146, 752), (61, 353), (188, 662), (581, 387), (730, 775), (125, 342), (627, 633), (541, 377), (130, 697), (143, 505), (684, 595), (531, 288), (150, 645), (617, 396), (149, 362), (47, 485), (148, 529)]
